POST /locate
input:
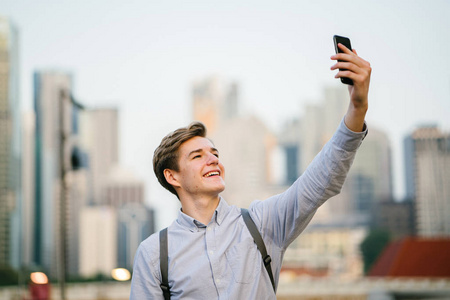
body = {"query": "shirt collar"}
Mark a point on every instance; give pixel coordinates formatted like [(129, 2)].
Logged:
[(221, 211), (193, 225)]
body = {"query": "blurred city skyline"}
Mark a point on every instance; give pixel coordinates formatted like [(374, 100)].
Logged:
[(144, 57), (79, 193)]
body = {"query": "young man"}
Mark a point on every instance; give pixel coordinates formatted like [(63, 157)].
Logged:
[(211, 253)]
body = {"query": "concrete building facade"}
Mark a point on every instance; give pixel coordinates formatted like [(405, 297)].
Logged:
[(99, 136), (427, 165), (98, 241)]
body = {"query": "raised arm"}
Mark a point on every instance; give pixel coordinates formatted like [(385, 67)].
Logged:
[(290, 212)]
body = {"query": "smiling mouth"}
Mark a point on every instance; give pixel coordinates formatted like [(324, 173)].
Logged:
[(212, 173)]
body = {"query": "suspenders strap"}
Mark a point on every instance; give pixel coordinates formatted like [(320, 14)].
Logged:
[(163, 255), (259, 243), (163, 262)]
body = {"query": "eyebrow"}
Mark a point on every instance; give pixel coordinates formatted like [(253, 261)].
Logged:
[(212, 149)]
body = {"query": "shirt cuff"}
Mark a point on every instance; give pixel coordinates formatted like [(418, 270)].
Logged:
[(348, 139)]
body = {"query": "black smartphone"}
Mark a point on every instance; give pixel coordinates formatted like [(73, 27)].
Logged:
[(346, 42)]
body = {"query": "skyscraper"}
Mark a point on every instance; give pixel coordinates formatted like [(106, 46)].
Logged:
[(99, 136), (56, 120), (10, 146), (427, 165)]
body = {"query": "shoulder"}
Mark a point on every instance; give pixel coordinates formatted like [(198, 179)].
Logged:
[(149, 249)]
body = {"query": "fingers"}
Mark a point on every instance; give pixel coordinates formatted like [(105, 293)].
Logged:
[(344, 48), (350, 75), (350, 61), (357, 74), (344, 65), (351, 66), (350, 56)]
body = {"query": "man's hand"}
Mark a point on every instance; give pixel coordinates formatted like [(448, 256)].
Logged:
[(358, 70)]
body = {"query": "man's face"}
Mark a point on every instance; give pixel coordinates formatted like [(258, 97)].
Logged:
[(200, 171)]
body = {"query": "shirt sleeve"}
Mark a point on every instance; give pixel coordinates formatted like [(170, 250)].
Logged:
[(145, 283), (283, 217)]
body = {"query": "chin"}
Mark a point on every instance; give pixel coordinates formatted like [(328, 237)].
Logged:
[(221, 189)]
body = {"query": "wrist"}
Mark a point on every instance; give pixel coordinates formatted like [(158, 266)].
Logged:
[(359, 105), (356, 110), (354, 118)]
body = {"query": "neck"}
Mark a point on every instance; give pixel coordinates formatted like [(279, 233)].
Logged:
[(201, 209)]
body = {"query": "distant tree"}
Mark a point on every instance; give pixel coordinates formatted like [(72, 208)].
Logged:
[(8, 276), (372, 246)]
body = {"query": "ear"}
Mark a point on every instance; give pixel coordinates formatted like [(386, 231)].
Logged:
[(171, 177)]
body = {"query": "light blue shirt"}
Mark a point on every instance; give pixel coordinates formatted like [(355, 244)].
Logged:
[(219, 260)]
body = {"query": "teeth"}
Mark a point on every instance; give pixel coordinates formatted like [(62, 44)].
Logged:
[(212, 174)]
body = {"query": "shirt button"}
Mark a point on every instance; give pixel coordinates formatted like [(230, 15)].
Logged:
[(211, 252), (209, 229)]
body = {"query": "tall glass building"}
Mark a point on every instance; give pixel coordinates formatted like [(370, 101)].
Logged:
[(48, 86), (10, 146)]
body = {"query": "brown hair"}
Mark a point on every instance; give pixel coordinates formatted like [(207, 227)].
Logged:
[(166, 155)]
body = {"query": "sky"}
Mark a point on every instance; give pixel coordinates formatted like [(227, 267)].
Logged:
[(143, 56)]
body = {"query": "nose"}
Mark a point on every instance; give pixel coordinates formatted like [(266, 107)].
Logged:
[(212, 159)]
